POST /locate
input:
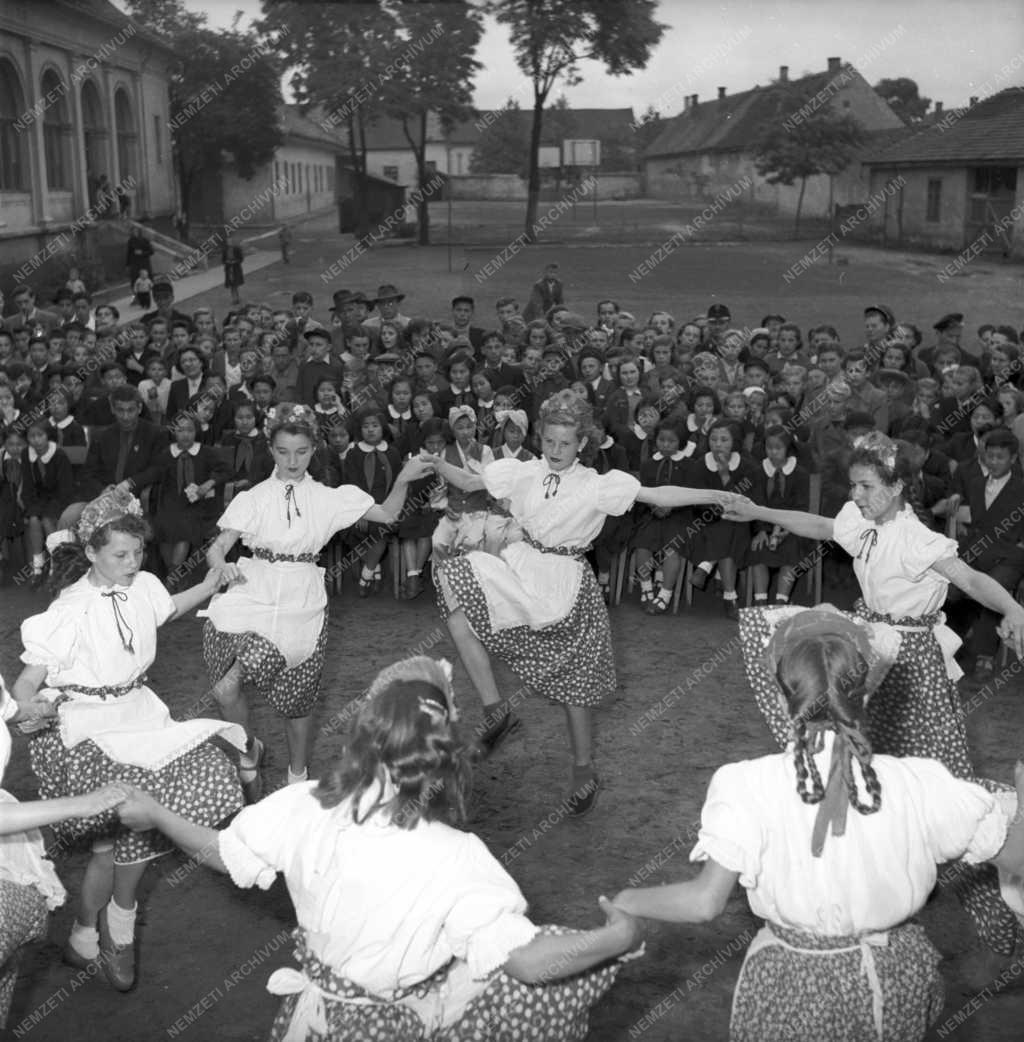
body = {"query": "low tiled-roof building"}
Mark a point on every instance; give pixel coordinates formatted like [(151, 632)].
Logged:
[(709, 147), (962, 178)]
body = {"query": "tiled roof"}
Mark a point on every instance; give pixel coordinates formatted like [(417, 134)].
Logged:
[(990, 132), (294, 124)]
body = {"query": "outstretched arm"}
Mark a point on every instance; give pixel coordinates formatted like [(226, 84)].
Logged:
[(390, 511), (462, 479), (140, 812), (672, 496), (698, 900), (810, 526), (986, 591)]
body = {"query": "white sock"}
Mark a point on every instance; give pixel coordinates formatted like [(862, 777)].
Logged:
[(295, 779), (728, 595), (121, 923), (665, 594), (706, 566), (760, 598), (38, 562), (659, 577), (412, 571), (647, 586), (377, 573), (85, 940), (366, 574), (782, 597)]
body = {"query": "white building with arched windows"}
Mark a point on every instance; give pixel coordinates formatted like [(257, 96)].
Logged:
[(83, 101)]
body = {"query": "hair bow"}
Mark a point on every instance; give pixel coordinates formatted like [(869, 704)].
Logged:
[(515, 416), (458, 411)]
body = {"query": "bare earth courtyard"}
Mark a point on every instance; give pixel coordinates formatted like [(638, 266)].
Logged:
[(206, 948)]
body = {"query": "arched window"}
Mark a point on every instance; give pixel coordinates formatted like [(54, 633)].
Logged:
[(56, 132), (94, 127), (127, 136), (13, 137)]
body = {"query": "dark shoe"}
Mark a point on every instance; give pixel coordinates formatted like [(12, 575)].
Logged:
[(732, 611), (413, 587), (37, 580), (984, 669), (365, 587), (586, 786), (503, 723), (699, 578), (250, 776), (658, 606), (118, 961), (74, 958)]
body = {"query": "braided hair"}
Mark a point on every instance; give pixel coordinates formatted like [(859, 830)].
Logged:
[(824, 681)]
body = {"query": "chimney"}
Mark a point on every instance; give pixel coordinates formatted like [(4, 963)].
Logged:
[(938, 108), (834, 64), (721, 93), (687, 103), (974, 101), (695, 101), (783, 74)]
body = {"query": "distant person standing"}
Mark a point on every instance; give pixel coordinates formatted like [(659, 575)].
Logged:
[(545, 293), (284, 237), (231, 258), (142, 287), (138, 256)]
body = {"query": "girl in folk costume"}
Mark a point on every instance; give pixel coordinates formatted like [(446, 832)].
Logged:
[(426, 502), (408, 928), (785, 485), (86, 659), (837, 847), (400, 418), (270, 627), (468, 523), (192, 475), (616, 530), (373, 466), (719, 541), (48, 488), (904, 570), (29, 887), (537, 606), (512, 427), (662, 536)]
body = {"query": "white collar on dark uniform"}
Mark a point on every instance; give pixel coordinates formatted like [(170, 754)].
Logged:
[(712, 464), (787, 468), (176, 450)]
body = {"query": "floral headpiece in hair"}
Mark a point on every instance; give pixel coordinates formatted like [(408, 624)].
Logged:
[(880, 445), (436, 672), (289, 412), (110, 505)]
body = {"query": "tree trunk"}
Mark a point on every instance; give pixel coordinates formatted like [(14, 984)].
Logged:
[(422, 204), (533, 182), (799, 207), (361, 219)]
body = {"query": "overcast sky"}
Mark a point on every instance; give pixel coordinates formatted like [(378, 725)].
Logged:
[(953, 48)]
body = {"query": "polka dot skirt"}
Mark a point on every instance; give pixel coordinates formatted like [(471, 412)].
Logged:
[(201, 785), (570, 662), (291, 692), (23, 919), (916, 711), (789, 996), (507, 1011)]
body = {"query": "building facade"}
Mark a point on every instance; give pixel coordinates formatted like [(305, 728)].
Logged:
[(710, 146), (83, 100)]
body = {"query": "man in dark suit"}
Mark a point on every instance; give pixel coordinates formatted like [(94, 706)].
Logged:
[(29, 317), (994, 542), (124, 454)]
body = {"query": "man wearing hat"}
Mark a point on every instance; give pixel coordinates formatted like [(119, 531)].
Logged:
[(350, 310), (317, 366), (719, 319), (463, 307), (163, 298), (387, 300), (949, 329)]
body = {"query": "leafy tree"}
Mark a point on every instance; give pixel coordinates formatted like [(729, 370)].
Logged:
[(803, 141), (551, 37), (647, 128), (436, 44), (904, 99), (503, 142), (222, 87)]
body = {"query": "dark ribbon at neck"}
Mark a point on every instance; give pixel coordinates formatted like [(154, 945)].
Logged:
[(868, 541), (124, 631), (289, 502), (551, 483)]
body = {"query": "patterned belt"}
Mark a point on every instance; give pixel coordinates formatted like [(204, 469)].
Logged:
[(910, 623), (269, 555), (105, 692), (579, 552)]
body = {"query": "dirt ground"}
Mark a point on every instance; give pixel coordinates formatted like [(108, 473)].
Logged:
[(206, 948)]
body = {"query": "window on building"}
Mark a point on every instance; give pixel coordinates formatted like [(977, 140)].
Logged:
[(56, 132), (127, 138), (995, 180), (391, 173), (13, 157), (933, 204), (158, 139)]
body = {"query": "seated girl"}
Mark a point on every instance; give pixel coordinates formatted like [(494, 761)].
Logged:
[(408, 928)]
